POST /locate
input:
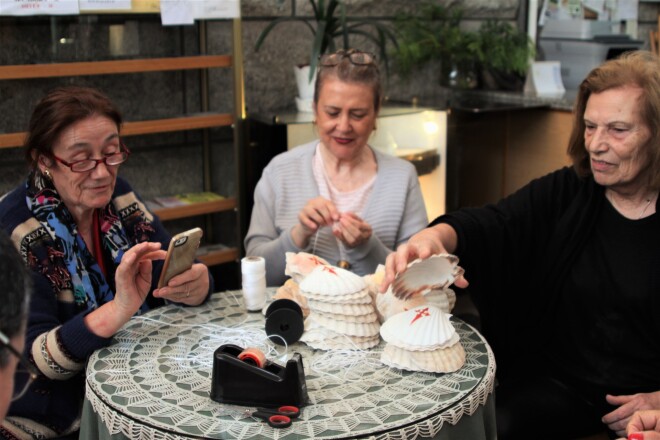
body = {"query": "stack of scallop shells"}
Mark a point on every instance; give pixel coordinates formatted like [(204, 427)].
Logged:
[(298, 266), (422, 339), (420, 335), (342, 314)]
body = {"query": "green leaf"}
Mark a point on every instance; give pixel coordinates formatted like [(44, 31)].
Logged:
[(332, 21), (317, 48)]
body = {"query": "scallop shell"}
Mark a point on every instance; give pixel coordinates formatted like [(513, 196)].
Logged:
[(290, 290), (345, 342), (341, 307), (442, 360), (387, 305), (301, 264), (332, 281), (346, 328), (422, 328), (315, 332), (374, 280), (323, 339), (361, 297), (436, 272), (365, 318), (444, 299)]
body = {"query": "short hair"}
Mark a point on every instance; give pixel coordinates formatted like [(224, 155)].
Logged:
[(346, 71), (637, 68), (59, 109), (14, 293)]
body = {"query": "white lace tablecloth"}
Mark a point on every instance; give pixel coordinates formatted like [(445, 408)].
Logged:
[(153, 382)]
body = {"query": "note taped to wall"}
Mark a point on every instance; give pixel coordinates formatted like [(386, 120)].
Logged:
[(39, 7), (217, 9), (544, 79)]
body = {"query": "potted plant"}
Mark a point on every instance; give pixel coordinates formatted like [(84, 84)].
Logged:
[(435, 33), (331, 23), (505, 55)]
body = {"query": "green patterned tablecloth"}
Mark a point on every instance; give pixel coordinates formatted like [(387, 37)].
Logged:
[(154, 380)]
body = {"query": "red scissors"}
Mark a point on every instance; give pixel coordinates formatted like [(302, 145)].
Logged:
[(278, 417)]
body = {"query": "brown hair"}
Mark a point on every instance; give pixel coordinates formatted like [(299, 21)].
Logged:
[(346, 71), (58, 110), (638, 68)]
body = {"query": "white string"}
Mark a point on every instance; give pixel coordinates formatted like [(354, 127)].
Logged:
[(252, 335), (316, 237), (347, 364)]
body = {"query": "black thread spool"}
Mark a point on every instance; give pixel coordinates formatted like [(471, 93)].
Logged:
[(284, 321)]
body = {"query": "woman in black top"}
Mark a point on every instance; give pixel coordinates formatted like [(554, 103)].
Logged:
[(565, 271)]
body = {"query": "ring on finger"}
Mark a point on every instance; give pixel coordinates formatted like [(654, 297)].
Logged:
[(187, 290)]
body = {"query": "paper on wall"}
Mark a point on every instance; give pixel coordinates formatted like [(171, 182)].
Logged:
[(176, 12), (625, 10), (544, 79), (39, 7), (217, 9)]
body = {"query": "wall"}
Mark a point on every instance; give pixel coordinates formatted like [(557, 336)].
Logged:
[(269, 80)]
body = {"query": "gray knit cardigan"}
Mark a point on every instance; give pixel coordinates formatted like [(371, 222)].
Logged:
[(395, 210)]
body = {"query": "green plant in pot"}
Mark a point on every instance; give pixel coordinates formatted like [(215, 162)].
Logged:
[(505, 55), (434, 32), (330, 23)]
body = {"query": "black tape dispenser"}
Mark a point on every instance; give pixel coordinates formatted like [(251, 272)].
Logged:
[(245, 377)]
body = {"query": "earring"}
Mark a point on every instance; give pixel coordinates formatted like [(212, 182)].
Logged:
[(46, 173)]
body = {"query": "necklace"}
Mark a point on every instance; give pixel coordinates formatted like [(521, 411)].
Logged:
[(641, 214)]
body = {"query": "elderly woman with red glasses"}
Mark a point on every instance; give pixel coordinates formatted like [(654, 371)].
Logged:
[(337, 197), (92, 248)]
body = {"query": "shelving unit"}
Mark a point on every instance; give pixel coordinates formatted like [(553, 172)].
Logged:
[(203, 120)]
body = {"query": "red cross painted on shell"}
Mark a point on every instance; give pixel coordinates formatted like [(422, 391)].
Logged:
[(420, 313), (329, 269), (316, 261)]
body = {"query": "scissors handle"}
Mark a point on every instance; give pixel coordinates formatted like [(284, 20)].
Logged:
[(286, 410), (273, 419)]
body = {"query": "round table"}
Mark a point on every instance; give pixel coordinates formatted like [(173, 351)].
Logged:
[(154, 381)]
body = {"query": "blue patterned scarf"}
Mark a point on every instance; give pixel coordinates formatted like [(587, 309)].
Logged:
[(63, 257)]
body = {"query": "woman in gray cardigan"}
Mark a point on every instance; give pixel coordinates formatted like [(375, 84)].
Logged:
[(337, 197)]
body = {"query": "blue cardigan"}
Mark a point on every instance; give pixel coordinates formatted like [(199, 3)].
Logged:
[(57, 340)]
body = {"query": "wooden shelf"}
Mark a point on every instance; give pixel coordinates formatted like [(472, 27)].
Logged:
[(30, 71), (207, 120), (196, 209), (221, 256)]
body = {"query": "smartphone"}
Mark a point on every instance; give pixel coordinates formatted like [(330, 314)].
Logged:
[(180, 255)]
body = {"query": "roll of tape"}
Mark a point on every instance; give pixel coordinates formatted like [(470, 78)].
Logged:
[(253, 271), (253, 356), (284, 322)]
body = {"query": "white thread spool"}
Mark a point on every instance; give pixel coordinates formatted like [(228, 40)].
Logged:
[(253, 270)]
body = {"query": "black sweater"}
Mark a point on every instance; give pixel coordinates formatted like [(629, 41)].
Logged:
[(526, 258)]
